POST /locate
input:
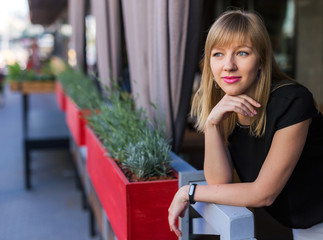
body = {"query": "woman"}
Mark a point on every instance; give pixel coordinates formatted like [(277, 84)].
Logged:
[(259, 121)]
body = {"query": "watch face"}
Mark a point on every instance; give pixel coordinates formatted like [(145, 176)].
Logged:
[(191, 190)]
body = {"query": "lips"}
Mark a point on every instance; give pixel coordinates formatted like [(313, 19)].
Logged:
[(231, 79)]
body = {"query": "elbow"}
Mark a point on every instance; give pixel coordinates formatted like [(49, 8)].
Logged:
[(265, 200), (265, 197), (268, 200)]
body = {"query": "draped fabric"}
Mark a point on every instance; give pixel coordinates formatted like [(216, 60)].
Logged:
[(76, 13), (109, 44), (162, 38)]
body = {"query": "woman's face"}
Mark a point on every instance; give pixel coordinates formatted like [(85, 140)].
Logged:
[(235, 68)]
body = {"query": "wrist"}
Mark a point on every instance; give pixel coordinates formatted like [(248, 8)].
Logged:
[(210, 126), (191, 193), (184, 193)]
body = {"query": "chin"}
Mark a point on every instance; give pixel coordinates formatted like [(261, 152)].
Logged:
[(232, 92)]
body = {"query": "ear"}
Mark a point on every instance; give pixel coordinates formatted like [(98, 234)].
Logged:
[(259, 68)]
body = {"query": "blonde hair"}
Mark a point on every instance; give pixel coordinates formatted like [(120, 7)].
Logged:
[(237, 26)]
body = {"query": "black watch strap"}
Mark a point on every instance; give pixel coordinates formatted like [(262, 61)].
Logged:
[(191, 192)]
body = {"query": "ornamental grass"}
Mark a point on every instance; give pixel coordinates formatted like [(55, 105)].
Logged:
[(80, 88), (140, 149)]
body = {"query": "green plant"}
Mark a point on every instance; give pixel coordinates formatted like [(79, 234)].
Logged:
[(16, 74), (149, 155), (117, 123), (28, 75), (129, 136), (80, 88)]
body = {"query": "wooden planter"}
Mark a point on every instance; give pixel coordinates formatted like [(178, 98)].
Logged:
[(136, 210), (76, 121), (60, 96), (14, 86), (28, 87), (37, 87)]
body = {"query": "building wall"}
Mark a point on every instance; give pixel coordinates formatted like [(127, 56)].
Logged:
[(309, 66)]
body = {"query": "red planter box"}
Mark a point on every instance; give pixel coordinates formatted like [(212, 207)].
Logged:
[(60, 96), (136, 210), (76, 122)]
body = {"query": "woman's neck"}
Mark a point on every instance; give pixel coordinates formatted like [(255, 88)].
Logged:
[(244, 120)]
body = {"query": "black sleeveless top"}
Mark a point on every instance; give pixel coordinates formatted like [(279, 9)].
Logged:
[(300, 204)]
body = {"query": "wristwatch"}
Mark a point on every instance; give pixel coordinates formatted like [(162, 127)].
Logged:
[(191, 192)]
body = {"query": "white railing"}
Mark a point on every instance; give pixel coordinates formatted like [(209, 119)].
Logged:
[(231, 223), (227, 221)]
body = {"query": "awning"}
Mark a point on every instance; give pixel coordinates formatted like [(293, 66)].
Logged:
[(46, 12)]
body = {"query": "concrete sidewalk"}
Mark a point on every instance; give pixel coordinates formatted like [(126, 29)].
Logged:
[(51, 210)]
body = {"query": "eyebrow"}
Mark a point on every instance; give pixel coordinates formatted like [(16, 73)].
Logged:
[(245, 46), (240, 46)]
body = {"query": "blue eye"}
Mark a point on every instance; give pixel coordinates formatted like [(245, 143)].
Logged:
[(217, 54), (242, 53)]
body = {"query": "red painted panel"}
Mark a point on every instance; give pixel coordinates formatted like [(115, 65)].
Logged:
[(136, 210), (60, 96), (109, 187), (148, 204), (75, 121)]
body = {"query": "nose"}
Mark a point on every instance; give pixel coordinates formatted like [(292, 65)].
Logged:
[(230, 64)]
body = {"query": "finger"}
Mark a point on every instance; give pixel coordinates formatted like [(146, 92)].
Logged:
[(246, 100), (174, 228), (172, 222), (246, 97), (250, 100), (244, 104), (240, 108), (177, 231)]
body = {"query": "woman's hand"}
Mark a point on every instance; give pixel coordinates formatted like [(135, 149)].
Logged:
[(241, 104), (177, 209)]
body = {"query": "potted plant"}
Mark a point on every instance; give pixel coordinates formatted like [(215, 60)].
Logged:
[(29, 80), (38, 82), (82, 97), (13, 77), (129, 166)]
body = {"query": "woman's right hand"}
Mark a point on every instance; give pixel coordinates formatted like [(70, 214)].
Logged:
[(241, 104)]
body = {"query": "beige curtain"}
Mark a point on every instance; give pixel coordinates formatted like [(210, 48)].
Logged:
[(162, 38), (109, 45), (76, 14)]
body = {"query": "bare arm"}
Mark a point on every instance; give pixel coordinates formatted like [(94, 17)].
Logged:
[(217, 162), (286, 148)]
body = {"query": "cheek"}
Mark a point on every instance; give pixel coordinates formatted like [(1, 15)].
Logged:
[(253, 73), (215, 69), (253, 69)]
